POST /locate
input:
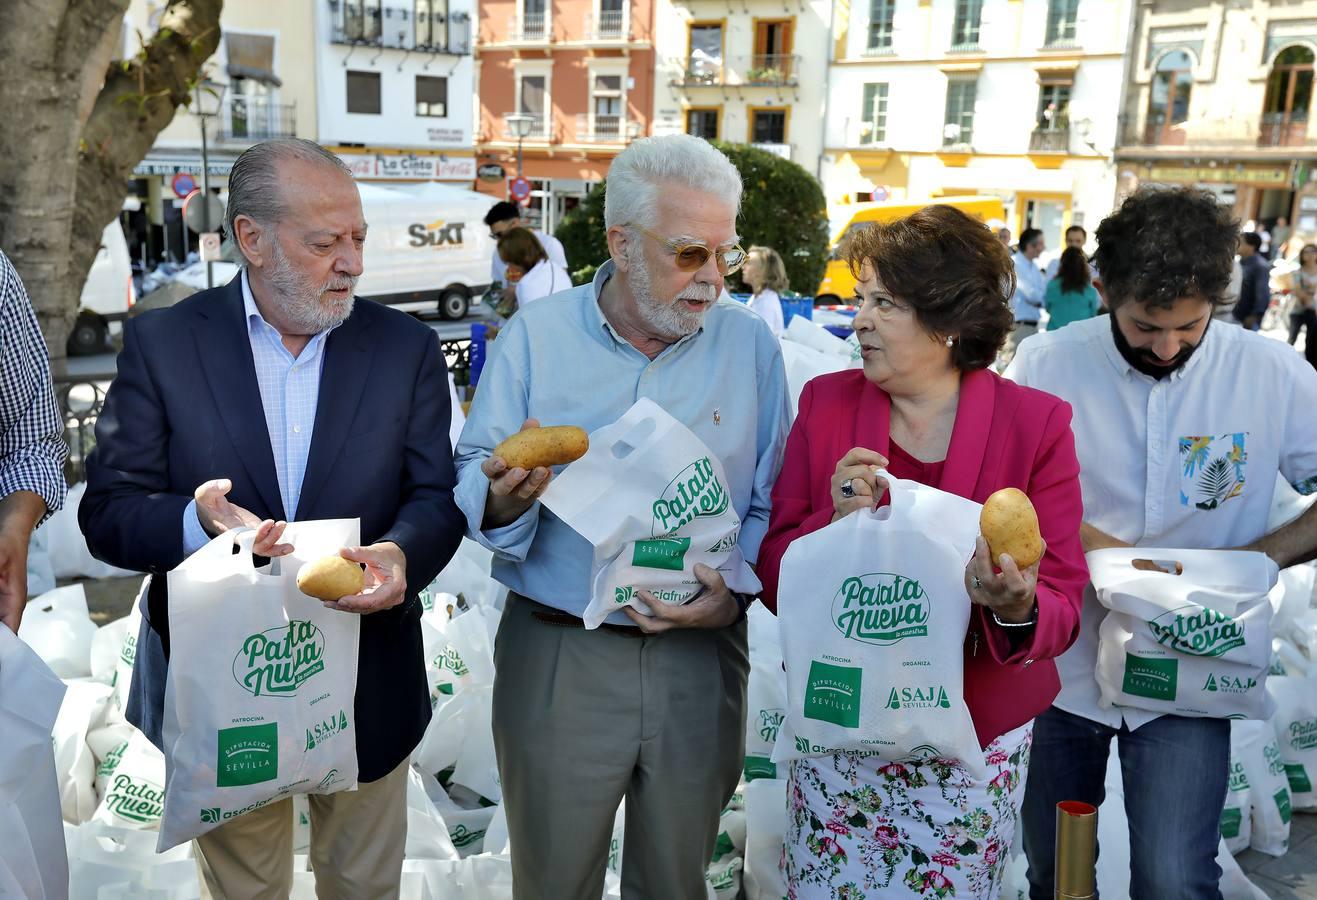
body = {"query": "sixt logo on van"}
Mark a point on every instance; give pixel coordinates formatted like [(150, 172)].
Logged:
[(438, 234)]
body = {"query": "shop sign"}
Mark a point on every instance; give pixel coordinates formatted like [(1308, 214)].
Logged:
[(1220, 174), (415, 168)]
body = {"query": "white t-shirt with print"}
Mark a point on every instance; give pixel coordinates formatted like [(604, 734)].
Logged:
[(1188, 461)]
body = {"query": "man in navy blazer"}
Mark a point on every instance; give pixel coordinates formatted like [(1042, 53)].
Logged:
[(277, 397)]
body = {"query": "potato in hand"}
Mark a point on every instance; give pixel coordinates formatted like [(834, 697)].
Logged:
[(1010, 525), (331, 578), (554, 445)]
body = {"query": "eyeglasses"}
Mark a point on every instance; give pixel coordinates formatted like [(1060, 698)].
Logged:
[(692, 257)]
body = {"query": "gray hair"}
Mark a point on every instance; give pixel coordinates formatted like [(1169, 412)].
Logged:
[(639, 172), (255, 188)]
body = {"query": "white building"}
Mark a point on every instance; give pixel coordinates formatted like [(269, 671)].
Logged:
[(754, 72), (396, 98), (1014, 98)]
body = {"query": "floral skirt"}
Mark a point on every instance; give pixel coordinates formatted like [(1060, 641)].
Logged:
[(860, 828)]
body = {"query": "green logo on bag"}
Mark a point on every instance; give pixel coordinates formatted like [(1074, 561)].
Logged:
[(463, 836), (833, 694), (323, 731), (1152, 678), (452, 660), (210, 815), (695, 493), (724, 880), (111, 761), (622, 595), (1275, 765), (129, 651), (665, 553), (1238, 780), (770, 720), (1229, 684), (761, 766), (1282, 798), (1231, 819), (930, 697), (248, 754), (427, 600), (1298, 778), (881, 608), (1303, 735), (278, 661), (1204, 632), (134, 799)]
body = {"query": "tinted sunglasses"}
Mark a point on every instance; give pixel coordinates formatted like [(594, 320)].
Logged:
[(692, 257)]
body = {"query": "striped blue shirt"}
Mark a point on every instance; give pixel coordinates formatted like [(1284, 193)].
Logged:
[(290, 393)]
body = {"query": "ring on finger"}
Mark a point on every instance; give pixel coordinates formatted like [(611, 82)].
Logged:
[(975, 583), (847, 490)]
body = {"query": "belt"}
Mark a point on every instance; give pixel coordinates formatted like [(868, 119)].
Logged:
[(550, 616), (1026, 321)]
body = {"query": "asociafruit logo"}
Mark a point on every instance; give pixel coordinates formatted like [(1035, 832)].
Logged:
[(277, 661), (881, 608), (693, 494)]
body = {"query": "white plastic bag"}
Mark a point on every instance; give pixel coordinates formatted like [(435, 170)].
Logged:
[(1188, 632), (107, 861), (1269, 791), (58, 627), (262, 681), (766, 692), (131, 784), (33, 863), (1236, 817), (1296, 733), (83, 709), (724, 871), (873, 615), (69, 556), (466, 826), (653, 501), (427, 835), (765, 828)]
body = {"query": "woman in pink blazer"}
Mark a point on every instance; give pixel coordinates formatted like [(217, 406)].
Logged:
[(934, 291)]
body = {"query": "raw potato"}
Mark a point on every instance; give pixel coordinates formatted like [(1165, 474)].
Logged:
[(331, 578), (1010, 525), (555, 445)]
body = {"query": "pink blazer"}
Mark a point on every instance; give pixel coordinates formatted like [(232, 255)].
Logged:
[(1005, 435)]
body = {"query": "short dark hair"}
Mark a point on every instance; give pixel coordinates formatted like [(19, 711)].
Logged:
[(520, 247), (1253, 239), (1079, 228), (952, 271), (1164, 244), (1028, 236), (501, 212)]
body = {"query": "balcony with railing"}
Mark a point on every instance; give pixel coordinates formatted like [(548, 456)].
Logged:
[(1051, 137), (538, 132), (529, 28), (770, 70), (775, 70), (356, 24), (601, 129), (1266, 132), (609, 26), (247, 120)]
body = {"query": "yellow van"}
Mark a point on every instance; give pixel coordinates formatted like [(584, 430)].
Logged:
[(838, 284)]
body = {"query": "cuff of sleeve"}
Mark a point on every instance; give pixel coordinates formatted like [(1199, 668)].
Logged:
[(1004, 651), (194, 536), (511, 542), (753, 530), (38, 474)]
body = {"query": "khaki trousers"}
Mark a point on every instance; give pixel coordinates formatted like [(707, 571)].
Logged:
[(357, 843), (583, 719), (1021, 331)]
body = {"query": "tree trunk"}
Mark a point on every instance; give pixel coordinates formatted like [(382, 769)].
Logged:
[(63, 179)]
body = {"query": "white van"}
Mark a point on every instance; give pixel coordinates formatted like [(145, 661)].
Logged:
[(427, 250), (107, 294)]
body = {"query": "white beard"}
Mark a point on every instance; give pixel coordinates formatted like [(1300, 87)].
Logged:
[(302, 303), (666, 318)]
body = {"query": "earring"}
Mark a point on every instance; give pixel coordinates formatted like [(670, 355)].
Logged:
[(951, 342)]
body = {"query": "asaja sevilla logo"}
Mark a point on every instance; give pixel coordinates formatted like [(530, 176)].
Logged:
[(1203, 632), (881, 608), (278, 661), (695, 493)]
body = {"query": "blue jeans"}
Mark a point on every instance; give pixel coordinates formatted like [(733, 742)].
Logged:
[(1175, 772)]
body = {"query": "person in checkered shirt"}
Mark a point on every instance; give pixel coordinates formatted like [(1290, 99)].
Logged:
[(32, 448)]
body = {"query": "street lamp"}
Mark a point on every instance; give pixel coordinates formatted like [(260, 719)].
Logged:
[(207, 98), (521, 125)]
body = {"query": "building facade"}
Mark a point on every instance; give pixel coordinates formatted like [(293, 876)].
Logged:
[(396, 78), (1219, 95), (1013, 98), (564, 86), (749, 72)]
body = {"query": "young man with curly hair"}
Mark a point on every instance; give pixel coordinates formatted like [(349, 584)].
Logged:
[(1147, 383)]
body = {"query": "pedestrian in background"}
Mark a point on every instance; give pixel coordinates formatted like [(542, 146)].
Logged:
[(1255, 290), (502, 218), (1304, 313), (1030, 287), (1070, 295), (766, 275), (531, 273)]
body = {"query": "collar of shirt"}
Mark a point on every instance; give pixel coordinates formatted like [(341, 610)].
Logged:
[(599, 324), (257, 325)]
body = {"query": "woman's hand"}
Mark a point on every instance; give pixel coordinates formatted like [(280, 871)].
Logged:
[(856, 470), (1010, 593)]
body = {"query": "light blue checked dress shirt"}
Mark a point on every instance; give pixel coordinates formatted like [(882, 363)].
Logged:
[(290, 393)]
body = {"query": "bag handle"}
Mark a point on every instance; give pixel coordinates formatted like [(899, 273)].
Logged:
[(899, 494)]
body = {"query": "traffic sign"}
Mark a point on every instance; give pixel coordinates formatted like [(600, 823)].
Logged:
[(183, 184), (195, 212), (519, 188)]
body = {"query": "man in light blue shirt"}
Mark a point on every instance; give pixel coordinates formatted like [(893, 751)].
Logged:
[(1030, 289), (650, 710)]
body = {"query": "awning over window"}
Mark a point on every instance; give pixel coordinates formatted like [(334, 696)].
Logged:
[(251, 56)]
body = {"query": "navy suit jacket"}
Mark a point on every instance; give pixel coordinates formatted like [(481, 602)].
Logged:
[(185, 408)]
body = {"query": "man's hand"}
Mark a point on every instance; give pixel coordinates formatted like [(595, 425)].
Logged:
[(511, 491), (19, 514), (715, 607), (386, 579), (1096, 539), (217, 515)]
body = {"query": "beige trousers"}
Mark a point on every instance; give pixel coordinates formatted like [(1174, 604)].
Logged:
[(357, 842)]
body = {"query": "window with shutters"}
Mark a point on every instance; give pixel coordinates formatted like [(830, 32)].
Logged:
[(873, 114)]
